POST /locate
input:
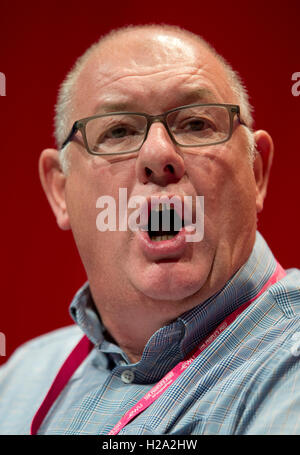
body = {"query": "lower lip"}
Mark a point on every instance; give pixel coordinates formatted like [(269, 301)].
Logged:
[(163, 249)]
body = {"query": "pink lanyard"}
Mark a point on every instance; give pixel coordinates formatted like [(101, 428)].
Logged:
[(83, 348)]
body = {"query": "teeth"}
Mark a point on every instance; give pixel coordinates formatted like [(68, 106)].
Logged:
[(159, 238)]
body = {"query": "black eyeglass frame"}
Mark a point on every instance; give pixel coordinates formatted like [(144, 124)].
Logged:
[(80, 125)]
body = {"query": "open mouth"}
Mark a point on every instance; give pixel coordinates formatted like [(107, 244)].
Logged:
[(164, 223)]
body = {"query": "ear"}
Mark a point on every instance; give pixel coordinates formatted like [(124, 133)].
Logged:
[(53, 182), (262, 165)]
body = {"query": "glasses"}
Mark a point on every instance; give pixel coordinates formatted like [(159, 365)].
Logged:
[(118, 133)]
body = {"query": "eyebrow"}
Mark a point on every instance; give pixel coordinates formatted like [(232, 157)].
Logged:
[(201, 95), (195, 95), (107, 107)]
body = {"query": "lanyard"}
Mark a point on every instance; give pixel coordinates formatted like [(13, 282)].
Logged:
[(83, 348)]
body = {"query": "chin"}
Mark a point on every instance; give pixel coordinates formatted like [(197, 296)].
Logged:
[(169, 282), (167, 295)]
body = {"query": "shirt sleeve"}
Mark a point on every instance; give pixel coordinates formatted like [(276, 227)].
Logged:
[(27, 375)]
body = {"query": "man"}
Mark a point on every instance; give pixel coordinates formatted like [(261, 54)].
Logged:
[(151, 301)]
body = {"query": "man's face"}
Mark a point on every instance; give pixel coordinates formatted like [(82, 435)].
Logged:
[(154, 72)]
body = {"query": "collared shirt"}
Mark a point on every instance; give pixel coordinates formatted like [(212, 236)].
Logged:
[(246, 382)]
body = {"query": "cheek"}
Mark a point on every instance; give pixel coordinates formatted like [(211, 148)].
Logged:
[(82, 210), (95, 177), (108, 176), (210, 174), (226, 181), (84, 188), (81, 206)]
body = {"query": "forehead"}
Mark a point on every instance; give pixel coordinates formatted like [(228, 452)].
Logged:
[(149, 69)]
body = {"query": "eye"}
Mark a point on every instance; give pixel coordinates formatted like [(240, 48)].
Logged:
[(119, 132), (196, 124)]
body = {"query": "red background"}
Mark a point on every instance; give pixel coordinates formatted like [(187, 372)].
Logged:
[(40, 268)]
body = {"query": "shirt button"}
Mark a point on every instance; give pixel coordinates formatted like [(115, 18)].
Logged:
[(127, 376)]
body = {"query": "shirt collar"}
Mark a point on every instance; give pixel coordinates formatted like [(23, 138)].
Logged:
[(170, 344)]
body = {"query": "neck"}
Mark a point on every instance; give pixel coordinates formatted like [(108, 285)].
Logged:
[(130, 334), (131, 326)]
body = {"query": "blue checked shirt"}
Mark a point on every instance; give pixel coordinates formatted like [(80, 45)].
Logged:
[(246, 382)]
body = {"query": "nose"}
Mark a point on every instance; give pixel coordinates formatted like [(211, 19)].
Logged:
[(158, 160)]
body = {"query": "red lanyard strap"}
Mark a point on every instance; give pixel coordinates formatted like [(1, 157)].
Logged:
[(70, 365), (83, 348)]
